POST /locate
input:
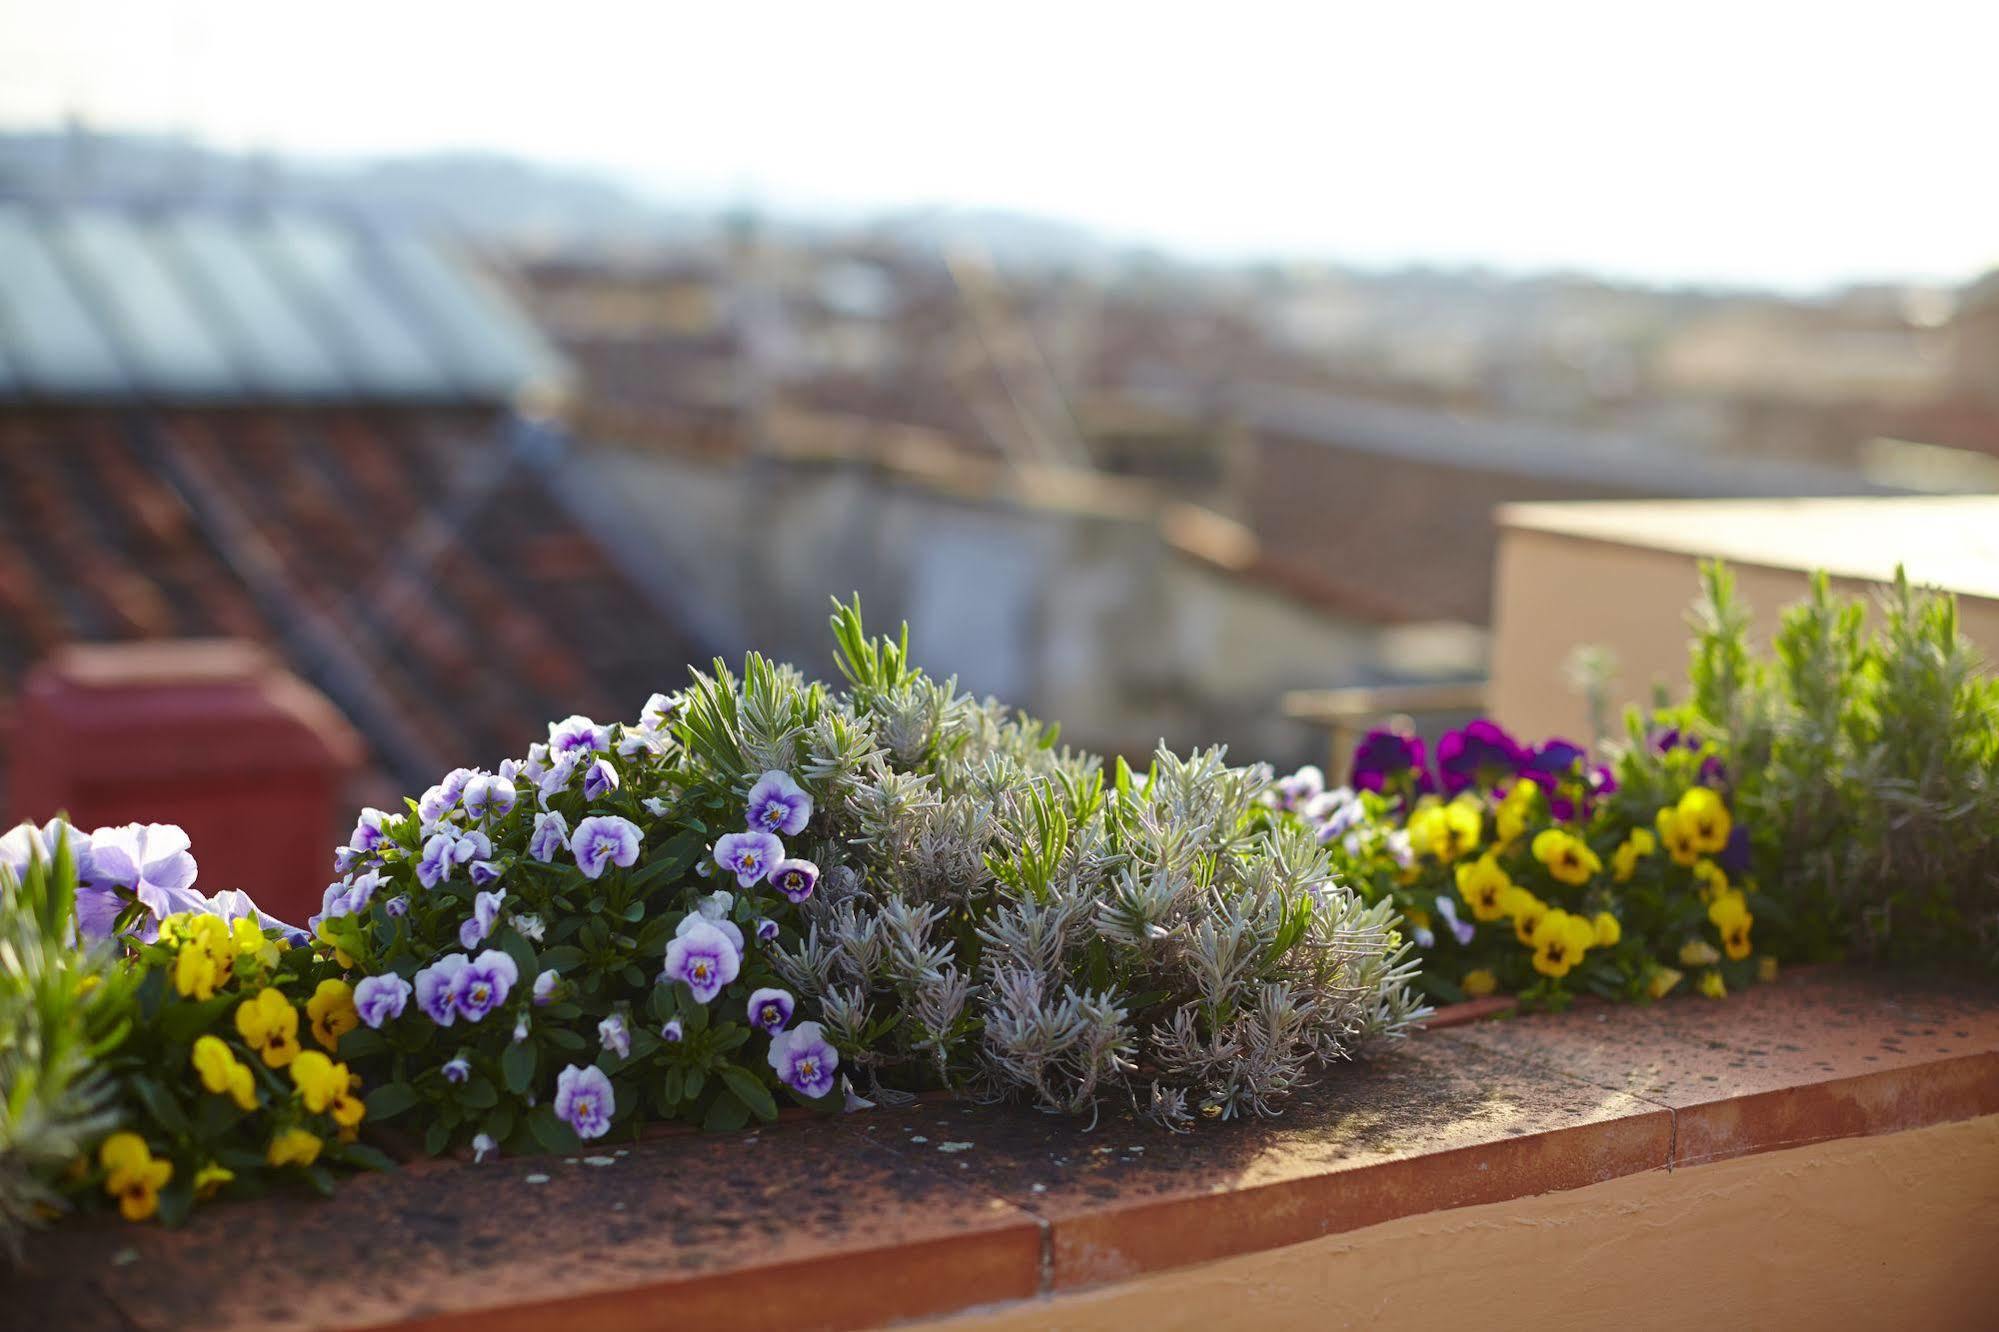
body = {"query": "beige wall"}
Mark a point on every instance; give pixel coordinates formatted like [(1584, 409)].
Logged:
[(1864, 1233), (1553, 592)]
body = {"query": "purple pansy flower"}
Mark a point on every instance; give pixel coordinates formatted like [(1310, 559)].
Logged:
[(657, 711), (344, 858), (778, 805), (599, 779), (485, 914), (485, 984), (795, 878), (805, 1060), (1735, 857), (551, 834), (672, 1032), (535, 764), (605, 839), (482, 873), (487, 794), (544, 987), (397, 906), (701, 957), (611, 1034), (438, 986), (583, 1100), (1382, 757), (748, 855), (1481, 754), (770, 1009), (153, 862), (1555, 759), (766, 929), (457, 1069), (379, 998), (576, 734)]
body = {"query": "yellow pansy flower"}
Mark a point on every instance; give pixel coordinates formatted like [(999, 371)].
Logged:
[(222, 1073), (295, 1146), (1560, 940), (1482, 884), (1660, 982), (1706, 818), (133, 1175), (1526, 911), (268, 1024), (1731, 917), (205, 954), (1478, 983), (331, 1009), (1446, 831), (1567, 856), (1713, 986), (1515, 812), (1608, 930), (1677, 836), (210, 1178), (251, 942), (1712, 878), (1624, 860), (1698, 953)]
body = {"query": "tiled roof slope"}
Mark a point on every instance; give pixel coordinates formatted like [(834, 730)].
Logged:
[(416, 566)]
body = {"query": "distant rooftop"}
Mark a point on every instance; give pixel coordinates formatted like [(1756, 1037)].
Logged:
[(217, 304), (1947, 541)]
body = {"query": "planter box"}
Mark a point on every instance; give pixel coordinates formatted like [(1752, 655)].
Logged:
[(944, 1207)]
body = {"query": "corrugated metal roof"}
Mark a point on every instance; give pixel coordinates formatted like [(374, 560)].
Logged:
[(233, 304)]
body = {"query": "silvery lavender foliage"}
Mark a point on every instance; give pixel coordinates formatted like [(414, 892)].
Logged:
[(997, 913)]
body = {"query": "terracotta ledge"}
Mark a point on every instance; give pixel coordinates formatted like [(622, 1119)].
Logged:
[(874, 1218)]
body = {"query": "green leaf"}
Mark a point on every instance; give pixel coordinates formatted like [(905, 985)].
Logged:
[(499, 1125), (389, 1100), (725, 1114), (522, 952), (166, 1112), (750, 1091), (367, 1158), (479, 1094), (517, 1068), (565, 1038), (437, 1138), (563, 957), (550, 1132)]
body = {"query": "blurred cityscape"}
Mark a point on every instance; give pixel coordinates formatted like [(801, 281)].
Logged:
[(473, 443)]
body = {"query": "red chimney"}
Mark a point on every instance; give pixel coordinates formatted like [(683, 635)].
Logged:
[(213, 735)]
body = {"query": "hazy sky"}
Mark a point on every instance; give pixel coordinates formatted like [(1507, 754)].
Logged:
[(1790, 143)]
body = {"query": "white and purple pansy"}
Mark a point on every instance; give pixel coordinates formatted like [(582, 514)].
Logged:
[(551, 834), (599, 779), (770, 1009), (485, 984), (561, 772), (371, 830), (443, 852), (748, 855), (437, 988), (457, 1069), (544, 987), (1463, 930), (151, 861), (605, 839), (577, 734), (795, 878), (804, 1060), (379, 999), (701, 957), (584, 1101), (489, 795), (778, 804), (613, 1036), (485, 914)]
